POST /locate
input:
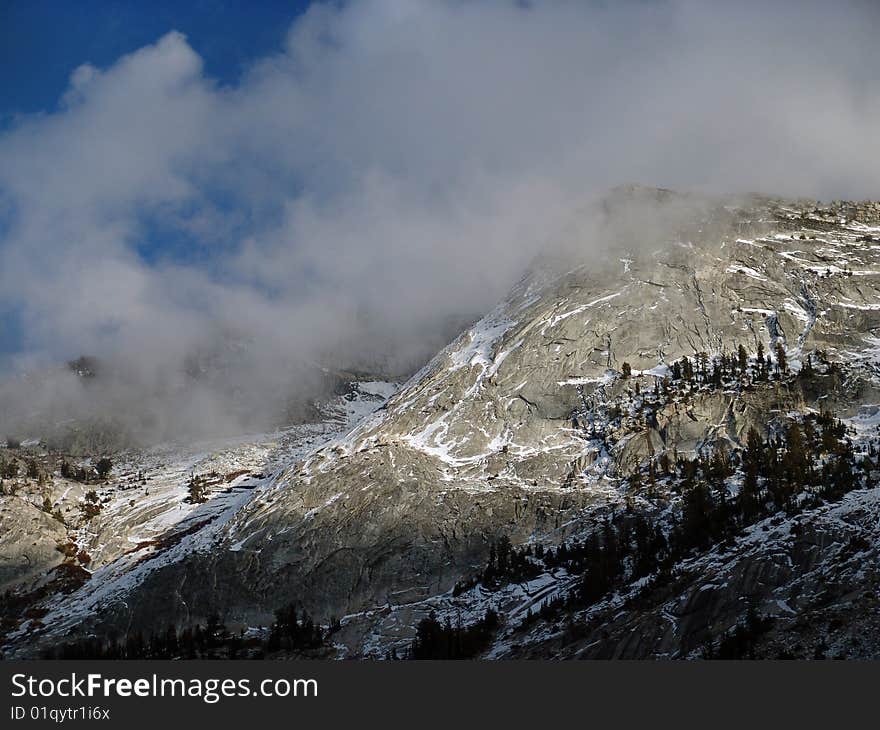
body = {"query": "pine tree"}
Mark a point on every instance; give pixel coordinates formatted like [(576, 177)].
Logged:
[(92, 504), (807, 369), (743, 359), (696, 512), (703, 359), (665, 464), (103, 467), (754, 454), (749, 499), (198, 490), (687, 369), (635, 481), (781, 360), (796, 461)]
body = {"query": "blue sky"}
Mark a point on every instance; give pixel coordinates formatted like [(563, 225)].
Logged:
[(42, 41)]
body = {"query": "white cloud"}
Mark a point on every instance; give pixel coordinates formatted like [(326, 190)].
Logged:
[(399, 161)]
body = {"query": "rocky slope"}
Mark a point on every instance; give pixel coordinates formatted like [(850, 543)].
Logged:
[(530, 427)]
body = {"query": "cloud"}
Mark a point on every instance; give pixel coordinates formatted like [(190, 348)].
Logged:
[(397, 164)]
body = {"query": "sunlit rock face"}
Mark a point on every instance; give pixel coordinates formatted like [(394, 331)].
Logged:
[(530, 423)]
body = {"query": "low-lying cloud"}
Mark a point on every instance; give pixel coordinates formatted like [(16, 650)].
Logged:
[(393, 168)]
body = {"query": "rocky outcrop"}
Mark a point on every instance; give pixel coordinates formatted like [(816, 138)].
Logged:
[(525, 427), (813, 580), (29, 542)]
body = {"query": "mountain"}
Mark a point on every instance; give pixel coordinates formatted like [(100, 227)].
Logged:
[(662, 443)]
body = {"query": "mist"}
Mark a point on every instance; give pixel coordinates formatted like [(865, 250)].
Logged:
[(381, 179)]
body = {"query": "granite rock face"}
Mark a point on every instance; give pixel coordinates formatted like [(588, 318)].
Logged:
[(516, 429)]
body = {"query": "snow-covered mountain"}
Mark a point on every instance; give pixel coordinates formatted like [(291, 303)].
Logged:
[(667, 448)]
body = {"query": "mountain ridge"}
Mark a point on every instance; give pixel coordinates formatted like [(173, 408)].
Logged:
[(532, 424)]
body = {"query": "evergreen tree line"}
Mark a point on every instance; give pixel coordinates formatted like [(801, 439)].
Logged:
[(809, 462), (445, 641), (686, 376), (101, 470), (292, 632), (739, 643)]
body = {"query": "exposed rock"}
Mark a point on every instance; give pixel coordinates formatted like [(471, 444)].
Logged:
[(516, 429)]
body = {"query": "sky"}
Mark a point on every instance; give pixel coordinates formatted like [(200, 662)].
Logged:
[(43, 41), (339, 181), (50, 38)]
